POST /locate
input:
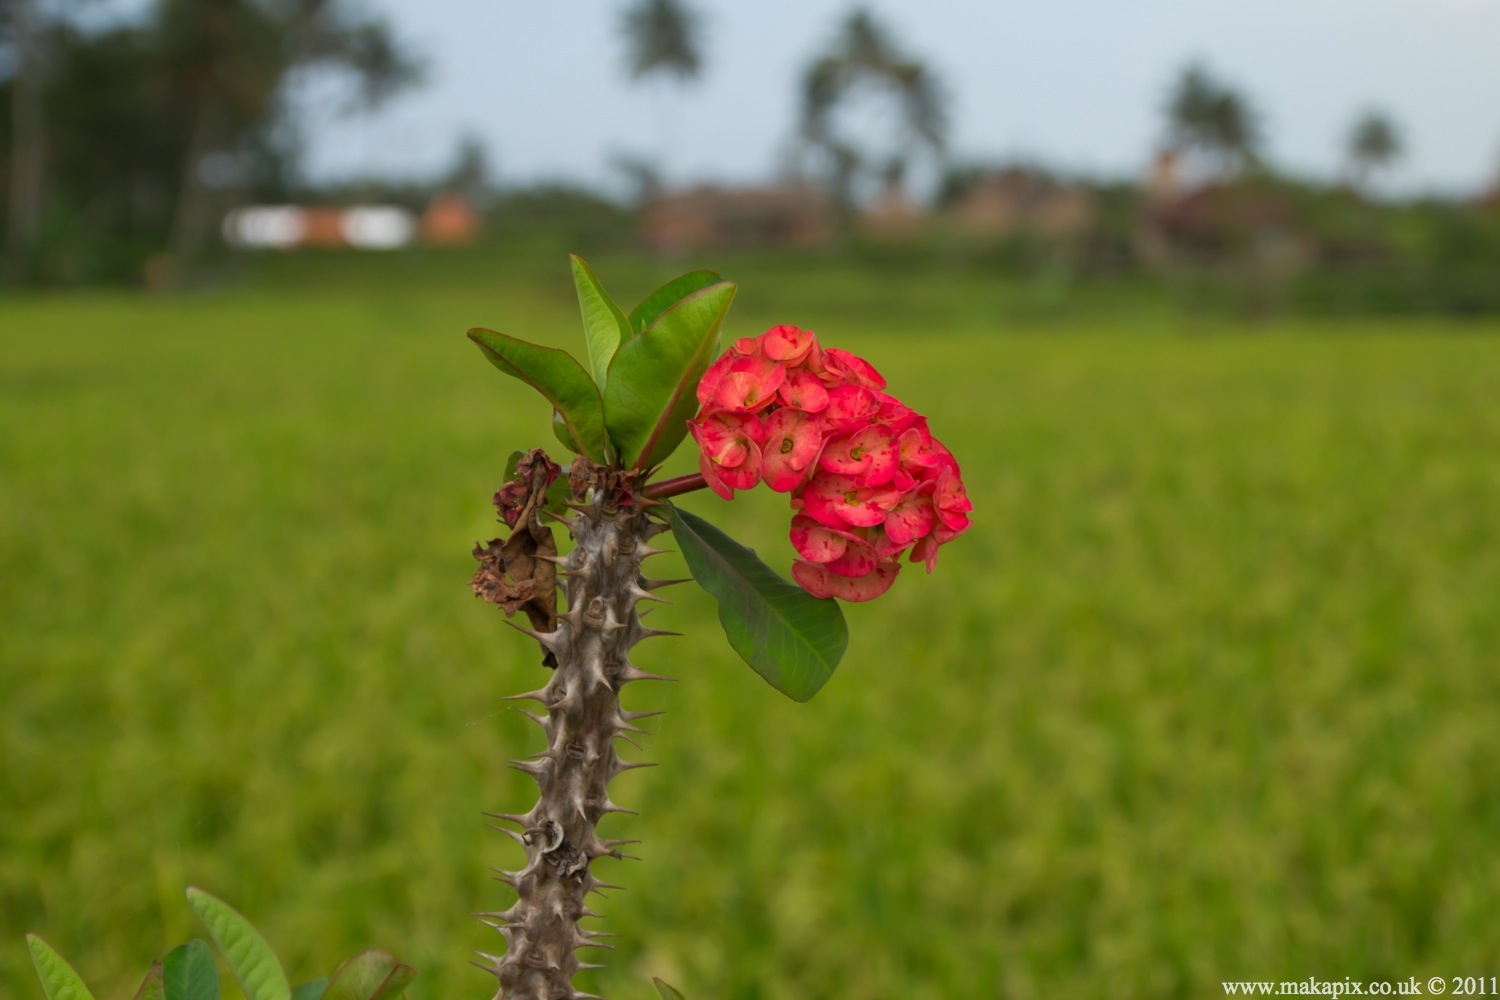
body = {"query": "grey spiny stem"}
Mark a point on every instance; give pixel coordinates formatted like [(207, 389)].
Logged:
[(592, 644)]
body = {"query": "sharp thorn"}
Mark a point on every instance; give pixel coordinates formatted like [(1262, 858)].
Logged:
[(513, 835), (641, 594), (630, 674), (547, 639)]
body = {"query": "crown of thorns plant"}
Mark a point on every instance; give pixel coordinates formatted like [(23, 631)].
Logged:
[(867, 482)]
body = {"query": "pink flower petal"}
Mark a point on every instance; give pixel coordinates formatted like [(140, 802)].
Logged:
[(952, 499), (853, 368), (792, 443), (746, 346), (848, 405), (729, 450), (816, 542), (787, 344), (745, 475), (926, 550), (819, 582), (895, 414), (884, 547), (838, 501), (858, 559), (912, 518), (868, 454), (916, 448), (749, 385), (712, 478), (804, 391), (723, 437), (709, 383)]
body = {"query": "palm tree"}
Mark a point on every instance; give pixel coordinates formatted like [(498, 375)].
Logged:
[(1374, 143), (664, 38), (1207, 117), (863, 58)]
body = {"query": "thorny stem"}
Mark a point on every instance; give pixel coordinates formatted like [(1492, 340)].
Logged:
[(675, 487), (591, 643)]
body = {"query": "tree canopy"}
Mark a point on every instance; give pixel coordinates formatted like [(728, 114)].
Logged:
[(192, 103)]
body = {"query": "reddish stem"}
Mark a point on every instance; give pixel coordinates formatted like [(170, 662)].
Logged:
[(675, 487)]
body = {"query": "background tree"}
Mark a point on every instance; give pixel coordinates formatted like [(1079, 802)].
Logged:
[(191, 100), (229, 61), (864, 59), (663, 38), (25, 30), (1210, 120), (1374, 144)]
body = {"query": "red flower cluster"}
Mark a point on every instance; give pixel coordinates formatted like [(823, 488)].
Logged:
[(868, 480)]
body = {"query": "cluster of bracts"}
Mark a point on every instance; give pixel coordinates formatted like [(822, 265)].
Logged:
[(867, 479)]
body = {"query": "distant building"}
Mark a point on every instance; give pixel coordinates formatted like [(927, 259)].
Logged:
[(893, 216), (450, 221), (288, 227), (1243, 220), (1015, 201), (713, 217)]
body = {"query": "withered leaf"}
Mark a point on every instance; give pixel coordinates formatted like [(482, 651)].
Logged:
[(510, 574)]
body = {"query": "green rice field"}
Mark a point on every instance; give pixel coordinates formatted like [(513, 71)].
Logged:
[(1208, 693)]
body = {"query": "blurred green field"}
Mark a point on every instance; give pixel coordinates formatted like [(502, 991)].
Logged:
[(1208, 693)]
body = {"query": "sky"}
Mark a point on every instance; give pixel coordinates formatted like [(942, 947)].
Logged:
[(1076, 84)]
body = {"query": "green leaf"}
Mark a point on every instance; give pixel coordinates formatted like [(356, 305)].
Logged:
[(667, 992), (561, 432), (251, 959), (652, 383), (311, 990), (189, 973), (373, 975), (669, 295), (558, 376), (59, 981), (604, 325), (513, 462), (791, 638), (153, 987)]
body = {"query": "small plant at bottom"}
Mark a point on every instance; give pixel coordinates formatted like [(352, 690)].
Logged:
[(868, 483), (188, 971)]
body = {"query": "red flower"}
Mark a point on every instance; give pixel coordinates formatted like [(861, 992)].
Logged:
[(819, 582), (868, 454), (788, 344), (793, 441), (840, 500), (867, 479), (802, 390), (749, 384), (728, 450)]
